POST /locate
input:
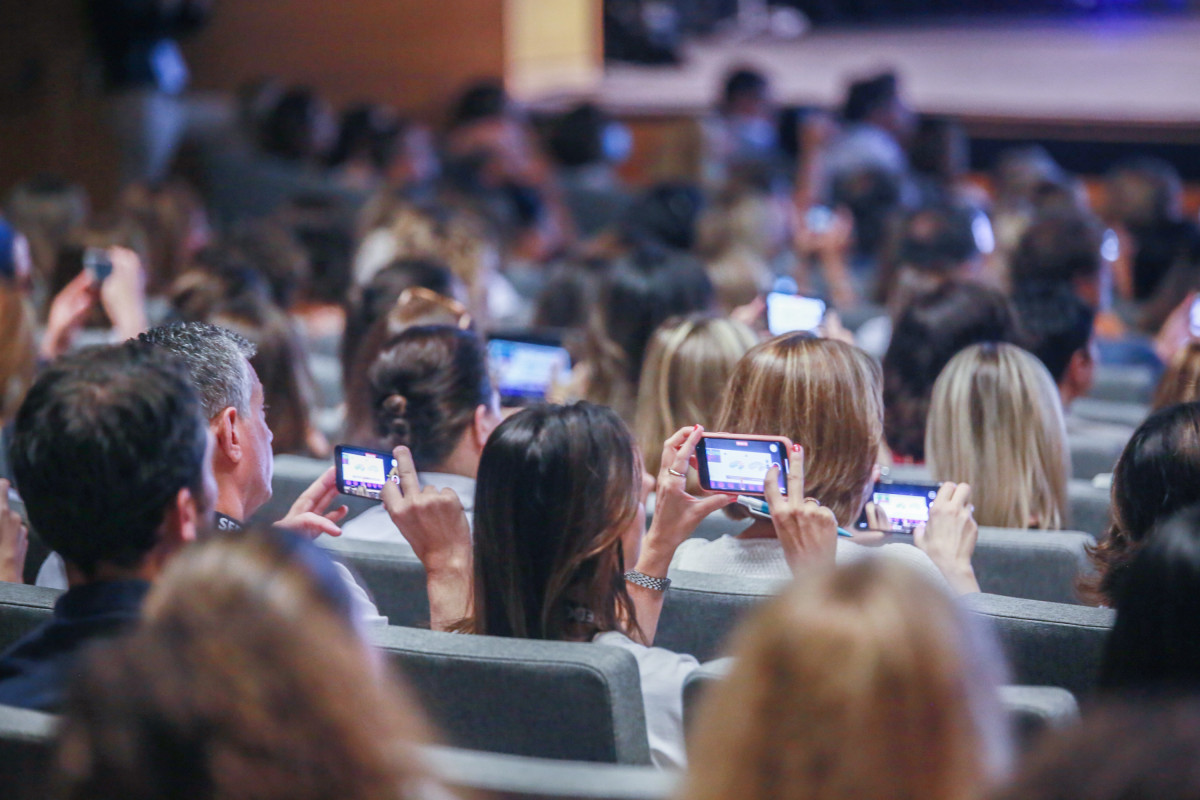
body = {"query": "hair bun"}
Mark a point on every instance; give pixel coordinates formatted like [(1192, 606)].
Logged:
[(392, 422), (395, 405)]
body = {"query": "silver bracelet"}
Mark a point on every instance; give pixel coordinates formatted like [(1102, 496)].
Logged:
[(642, 579)]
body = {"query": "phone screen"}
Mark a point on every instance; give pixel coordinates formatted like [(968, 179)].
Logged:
[(790, 312), (363, 473), (1194, 318), (524, 371), (739, 466), (97, 262), (906, 504)]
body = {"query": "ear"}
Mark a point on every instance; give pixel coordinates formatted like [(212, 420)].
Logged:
[(227, 436), (486, 420), (181, 523), (1080, 372)]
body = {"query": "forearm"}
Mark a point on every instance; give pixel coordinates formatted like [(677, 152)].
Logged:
[(450, 595), (647, 603)]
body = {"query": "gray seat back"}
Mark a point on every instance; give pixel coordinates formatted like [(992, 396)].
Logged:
[(23, 608), (1090, 508), (394, 577), (1130, 415), (1038, 565), (506, 777), (1031, 710), (564, 700), (26, 749), (1047, 644), (1094, 453), (699, 610), (1124, 383)]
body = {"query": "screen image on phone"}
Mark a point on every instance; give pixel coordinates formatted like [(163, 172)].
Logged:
[(1194, 318), (524, 368), (906, 504), (790, 312), (362, 473), (737, 464), (97, 262)]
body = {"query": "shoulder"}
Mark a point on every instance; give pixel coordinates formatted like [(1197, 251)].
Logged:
[(654, 661)]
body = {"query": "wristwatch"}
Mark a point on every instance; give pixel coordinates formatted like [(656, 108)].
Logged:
[(642, 579)]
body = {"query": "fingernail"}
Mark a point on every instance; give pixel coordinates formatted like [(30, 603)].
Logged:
[(795, 448), (695, 427)]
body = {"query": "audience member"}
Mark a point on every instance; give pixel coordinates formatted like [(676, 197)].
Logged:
[(1057, 326), (878, 126), (587, 144), (173, 219), (928, 334), (116, 500), (865, 682), (1153, 648), (247, 679), (559, 519), (1180, 382), (430, 391), (996, 423), (1157, 475), (688, 362), (1064, 247), (824, 396), (49, 211)]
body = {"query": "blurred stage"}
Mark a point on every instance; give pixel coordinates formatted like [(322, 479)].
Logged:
[(1100, 77)]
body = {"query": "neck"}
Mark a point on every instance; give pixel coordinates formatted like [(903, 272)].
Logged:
[(463, 460), (231, 502), (1067, 395), (107, 573), (761, 529)]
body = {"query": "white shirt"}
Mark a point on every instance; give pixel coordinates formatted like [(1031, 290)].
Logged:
[(764, 558), (663, 673), (374, 524)]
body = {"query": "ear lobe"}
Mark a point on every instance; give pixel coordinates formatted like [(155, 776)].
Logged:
[(485, 423)]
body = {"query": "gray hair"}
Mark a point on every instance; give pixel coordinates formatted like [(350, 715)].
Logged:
[(216, 359)]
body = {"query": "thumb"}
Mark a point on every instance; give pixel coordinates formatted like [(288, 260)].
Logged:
[(919, 536)]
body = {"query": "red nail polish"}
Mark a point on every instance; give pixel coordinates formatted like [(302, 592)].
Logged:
[(695, 427), (795, 448)]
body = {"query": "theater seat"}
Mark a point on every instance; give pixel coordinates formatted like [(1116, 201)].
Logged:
[(1095, 453), (1124, 383), (521, 778), (23, 608), (1038, 565), (1129, 414), (393, 576), (26, 747), (1048, 644), (564, 700), (1031, 710), (1090, 508), (700, 610)]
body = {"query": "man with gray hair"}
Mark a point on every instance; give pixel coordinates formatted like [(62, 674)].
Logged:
[(231, 396)]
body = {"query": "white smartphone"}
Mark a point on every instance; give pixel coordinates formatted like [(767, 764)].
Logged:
[(791, 312)]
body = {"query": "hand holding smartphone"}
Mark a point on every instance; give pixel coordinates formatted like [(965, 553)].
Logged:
[(905, 504), (362, 472), (526, 366)]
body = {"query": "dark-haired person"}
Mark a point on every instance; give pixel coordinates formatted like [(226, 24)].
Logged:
[(1058, 329), (231, 397), (588, 145), (1157, 475), (928, 333), (560, 548), (1154, 646), (112, 458), (430, 391), (878, 125)]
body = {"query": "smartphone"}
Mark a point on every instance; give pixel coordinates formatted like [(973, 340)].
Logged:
[(363, 473), (525, 366), (819, 218), (790, 312), (736, 463), (906, 504), (1194, 318), (97, 263)]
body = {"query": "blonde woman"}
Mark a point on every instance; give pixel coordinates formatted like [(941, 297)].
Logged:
[(864, 682), (1181, 381), (825, 396), (688, 361), (996, 422)]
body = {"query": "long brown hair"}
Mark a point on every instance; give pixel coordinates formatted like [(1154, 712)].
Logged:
[(18, 353), (865, 682), (558, 486), (823, 395), (1180, 382), (247, 679)]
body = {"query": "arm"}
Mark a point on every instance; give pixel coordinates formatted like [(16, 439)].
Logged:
[(14, 540), (123, 293), (676, 516), (950, 535), (68, 311), (435, 524)]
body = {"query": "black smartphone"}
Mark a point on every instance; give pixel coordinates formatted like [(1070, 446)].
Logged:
[(906, 504), (362, 472), (735, 463), (526, 364), (97, 262)]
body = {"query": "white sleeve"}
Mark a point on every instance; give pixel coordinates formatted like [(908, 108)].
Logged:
[(364, 607), (53, 573)]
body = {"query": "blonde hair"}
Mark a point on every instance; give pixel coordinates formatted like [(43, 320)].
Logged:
[(996, 422), (688, 361), (823, 395), (18, 353), (866, 682), (1180, 382)]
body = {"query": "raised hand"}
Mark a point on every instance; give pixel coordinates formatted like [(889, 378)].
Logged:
[(950, 535), (806, 529), (308, 515), (14, 540)]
